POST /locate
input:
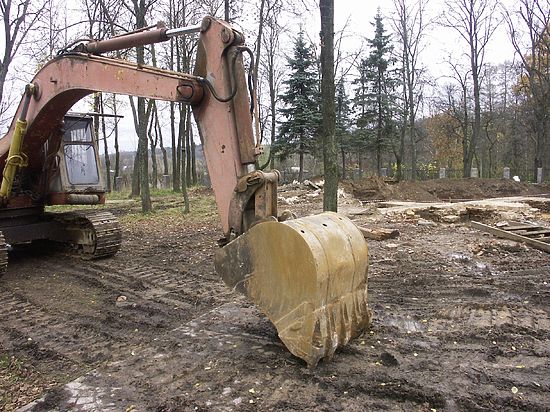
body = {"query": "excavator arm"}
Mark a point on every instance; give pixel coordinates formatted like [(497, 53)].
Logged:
[(308, 275), (217, 91)]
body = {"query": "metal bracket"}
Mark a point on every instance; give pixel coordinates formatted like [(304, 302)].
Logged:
[(254, 200)]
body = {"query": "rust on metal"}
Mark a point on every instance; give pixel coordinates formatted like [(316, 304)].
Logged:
[(254, 199), (127, 41), (188, 93), (68, 78), (228, 125), (64, 198)]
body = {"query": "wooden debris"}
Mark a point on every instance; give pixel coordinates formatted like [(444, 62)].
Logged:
[(379, 234), (311, 185), (519, 233)]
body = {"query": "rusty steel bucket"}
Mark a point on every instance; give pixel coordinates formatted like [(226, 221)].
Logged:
[(308, 275)]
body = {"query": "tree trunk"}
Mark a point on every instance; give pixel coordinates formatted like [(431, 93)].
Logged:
[(153, 144), (379, 125), (136, 188), (301, 171), (185, 118), (193, 158), (174, 55), (476, 127), (330, 154), (135, 172), (141, 118), (343, 153), (466, 160), (105, 147), (188, 152), (175, 175), (96, 108), (143, 157), (117, 151), (226, 10), (165, 169)]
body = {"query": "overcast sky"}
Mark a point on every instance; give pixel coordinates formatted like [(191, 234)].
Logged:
[(440, 42)]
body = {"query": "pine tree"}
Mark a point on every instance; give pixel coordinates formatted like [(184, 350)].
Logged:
[(374, 100), (298, 133)]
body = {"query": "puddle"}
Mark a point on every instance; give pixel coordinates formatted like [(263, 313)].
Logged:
[(406, 325)]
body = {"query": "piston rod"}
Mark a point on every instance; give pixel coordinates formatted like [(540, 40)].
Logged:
[(182, 31), (140, 38)]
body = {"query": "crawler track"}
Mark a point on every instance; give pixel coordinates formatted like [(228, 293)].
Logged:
[(105, 231), (3, 255)]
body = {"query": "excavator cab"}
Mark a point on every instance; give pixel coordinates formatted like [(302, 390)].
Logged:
[(75, 177)]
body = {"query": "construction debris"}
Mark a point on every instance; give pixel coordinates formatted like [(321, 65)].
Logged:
[(379, 234), (311, 185), (532, 235)]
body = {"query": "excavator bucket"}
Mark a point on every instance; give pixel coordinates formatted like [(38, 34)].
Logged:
[(308, 275)]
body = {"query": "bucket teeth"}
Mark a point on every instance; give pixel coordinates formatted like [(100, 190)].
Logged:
[(308, 275), (335, 325)]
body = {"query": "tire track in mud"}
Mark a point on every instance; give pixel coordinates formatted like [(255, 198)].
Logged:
[(439, 366), (147, 283), (35, 330), (182, 360), (485, 309), (157, 301)]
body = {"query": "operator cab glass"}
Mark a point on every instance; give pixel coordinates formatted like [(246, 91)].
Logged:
[(79, 152)]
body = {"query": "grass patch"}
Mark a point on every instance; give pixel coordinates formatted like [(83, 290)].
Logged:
[(125, 194), (12, 369), (165, 202), (202, 207)]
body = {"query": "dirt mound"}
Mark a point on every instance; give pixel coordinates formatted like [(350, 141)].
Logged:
[(375, 188)]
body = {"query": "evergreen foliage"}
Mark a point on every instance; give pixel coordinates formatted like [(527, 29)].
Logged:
[(344, 135), (374, 102), (298, 132)]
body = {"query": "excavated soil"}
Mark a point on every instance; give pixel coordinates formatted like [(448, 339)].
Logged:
[(375, 188), (461, 323)]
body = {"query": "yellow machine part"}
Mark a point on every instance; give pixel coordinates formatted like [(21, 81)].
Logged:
[(15, 159), (308, 275)]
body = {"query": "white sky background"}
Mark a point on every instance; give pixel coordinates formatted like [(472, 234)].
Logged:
[(440, 44)]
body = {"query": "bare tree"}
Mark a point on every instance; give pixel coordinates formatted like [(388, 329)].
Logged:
[(529, 29), (270, 64), (18, 19), (105, 144), (474, 21), (173, 20), (158, 134), (410, 25), (153, 141), (139, 9)]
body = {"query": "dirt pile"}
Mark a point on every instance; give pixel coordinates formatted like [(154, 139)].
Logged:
[(375, 188)]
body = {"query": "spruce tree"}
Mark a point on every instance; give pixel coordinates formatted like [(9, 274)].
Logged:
[(298, 132), (374, 100)]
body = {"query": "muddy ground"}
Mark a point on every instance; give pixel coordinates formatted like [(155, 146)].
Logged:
[(461, 322)]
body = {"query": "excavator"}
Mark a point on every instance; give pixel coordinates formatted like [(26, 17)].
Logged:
[(307, 275)]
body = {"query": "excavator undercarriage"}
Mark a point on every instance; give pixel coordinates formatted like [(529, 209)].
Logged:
[(308, 275)]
